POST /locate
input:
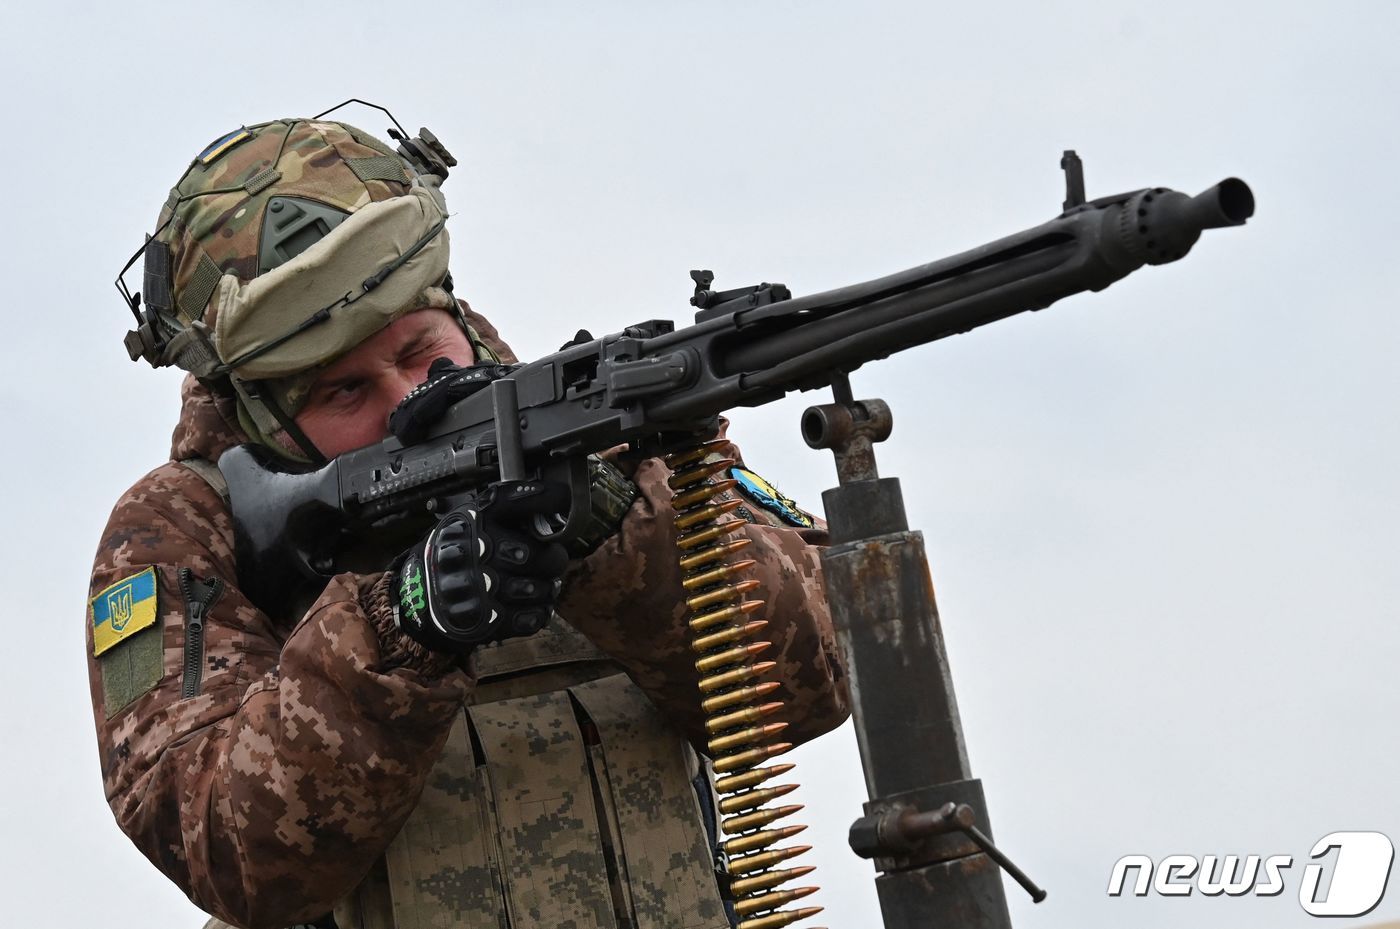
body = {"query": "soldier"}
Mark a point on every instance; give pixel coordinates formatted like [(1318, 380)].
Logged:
[(282, 760)]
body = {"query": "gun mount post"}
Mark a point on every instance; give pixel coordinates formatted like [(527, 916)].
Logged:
[(946, 871)]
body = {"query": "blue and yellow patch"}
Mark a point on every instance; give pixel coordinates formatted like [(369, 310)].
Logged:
[(123, 610), (769, 497), (222, 144)]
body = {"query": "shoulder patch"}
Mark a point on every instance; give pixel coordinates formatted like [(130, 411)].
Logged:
[(770, 498), (123, 610), (222, 144)]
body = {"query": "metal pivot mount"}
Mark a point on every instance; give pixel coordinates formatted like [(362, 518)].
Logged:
[(926, 825)]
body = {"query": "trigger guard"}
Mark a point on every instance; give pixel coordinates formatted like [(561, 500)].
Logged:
[(572, 472)]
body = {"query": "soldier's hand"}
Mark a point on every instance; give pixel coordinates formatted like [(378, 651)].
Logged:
[(446, 384), (480, 576)]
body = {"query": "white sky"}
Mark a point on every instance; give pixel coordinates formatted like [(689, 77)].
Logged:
[(1162, 519)]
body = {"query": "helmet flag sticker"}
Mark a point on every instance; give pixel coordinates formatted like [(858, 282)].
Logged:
[(222, 144)]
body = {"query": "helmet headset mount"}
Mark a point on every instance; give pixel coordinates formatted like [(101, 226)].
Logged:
[(156, 324)]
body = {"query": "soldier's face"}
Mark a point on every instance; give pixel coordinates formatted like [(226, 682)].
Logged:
[(349, 405)]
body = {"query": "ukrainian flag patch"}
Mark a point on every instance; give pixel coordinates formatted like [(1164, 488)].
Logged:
[(123, 610), (769, 497), (222, 144)]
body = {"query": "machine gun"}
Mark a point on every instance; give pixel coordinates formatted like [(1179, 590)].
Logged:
[(653, 382)]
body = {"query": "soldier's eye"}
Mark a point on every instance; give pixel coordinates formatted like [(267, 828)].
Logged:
[(345, 392)]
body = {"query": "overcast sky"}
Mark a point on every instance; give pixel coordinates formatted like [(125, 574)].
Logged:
[(1162, 519)]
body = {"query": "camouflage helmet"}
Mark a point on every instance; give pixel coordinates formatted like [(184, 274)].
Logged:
[(283, 246)]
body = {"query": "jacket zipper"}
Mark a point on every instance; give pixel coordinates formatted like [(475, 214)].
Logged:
[(199, 599)]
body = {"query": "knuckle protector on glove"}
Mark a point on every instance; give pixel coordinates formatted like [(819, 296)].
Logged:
[(447, 383), (478, 577)]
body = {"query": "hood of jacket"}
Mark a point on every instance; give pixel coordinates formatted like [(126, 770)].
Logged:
[(208, 424)]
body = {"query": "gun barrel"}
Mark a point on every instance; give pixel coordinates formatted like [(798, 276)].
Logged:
[(797, 343)]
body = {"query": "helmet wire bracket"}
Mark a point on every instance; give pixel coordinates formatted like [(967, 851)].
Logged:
[(424, 152)]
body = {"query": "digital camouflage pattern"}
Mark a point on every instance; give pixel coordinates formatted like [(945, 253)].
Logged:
[(321, 751)]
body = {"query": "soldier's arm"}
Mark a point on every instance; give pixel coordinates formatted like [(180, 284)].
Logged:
[(627, 598), (265, 768)]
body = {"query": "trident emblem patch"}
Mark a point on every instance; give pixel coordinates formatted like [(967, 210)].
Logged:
[(123, 610), (119, 608)]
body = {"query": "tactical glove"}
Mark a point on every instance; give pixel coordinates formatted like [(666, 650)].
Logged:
[(446, 384), (479, 576)]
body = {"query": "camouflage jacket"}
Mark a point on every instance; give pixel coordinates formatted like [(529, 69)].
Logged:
[(265, 767)]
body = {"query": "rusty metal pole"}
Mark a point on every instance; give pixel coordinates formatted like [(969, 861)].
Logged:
[(935, 867)]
